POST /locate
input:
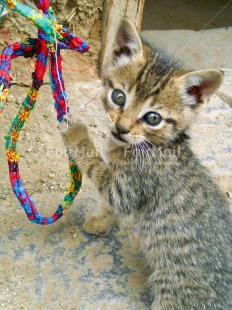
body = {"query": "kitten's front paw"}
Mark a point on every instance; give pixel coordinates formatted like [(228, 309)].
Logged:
[(69, 121), (73, 129), (77, 141)]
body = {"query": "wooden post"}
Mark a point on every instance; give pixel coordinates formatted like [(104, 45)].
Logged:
[(113, 11)]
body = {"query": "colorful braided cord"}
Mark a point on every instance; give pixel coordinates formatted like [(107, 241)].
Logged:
[(46, 45)]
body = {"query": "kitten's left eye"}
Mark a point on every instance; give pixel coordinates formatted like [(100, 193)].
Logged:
[(152, 118), (118, 97)]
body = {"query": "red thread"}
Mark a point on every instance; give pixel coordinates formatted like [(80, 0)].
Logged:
[(87, 64), (74, 70), (85, 108)]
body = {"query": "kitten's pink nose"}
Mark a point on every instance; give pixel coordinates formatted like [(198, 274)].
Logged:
[(121, 129)]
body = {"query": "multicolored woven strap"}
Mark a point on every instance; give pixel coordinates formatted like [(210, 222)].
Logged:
[(51, 39)]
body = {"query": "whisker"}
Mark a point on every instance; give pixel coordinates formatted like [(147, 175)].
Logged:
[(149, 155)]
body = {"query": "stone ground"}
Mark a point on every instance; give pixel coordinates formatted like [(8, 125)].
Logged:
[(61, 267)]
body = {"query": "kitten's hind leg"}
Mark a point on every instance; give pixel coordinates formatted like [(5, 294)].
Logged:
[(102, 223)]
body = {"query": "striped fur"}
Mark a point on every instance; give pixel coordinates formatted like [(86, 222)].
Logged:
[(183, 218)]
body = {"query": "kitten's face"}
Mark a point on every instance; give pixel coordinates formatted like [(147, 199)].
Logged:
[(139, 111), (150, 99)]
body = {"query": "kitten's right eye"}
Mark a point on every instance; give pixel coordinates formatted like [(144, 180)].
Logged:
[(152, 118), (118, 97)]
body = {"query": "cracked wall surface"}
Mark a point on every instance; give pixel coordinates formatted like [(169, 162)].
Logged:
[(82, 17)]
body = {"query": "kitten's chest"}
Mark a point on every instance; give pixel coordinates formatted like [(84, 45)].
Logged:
[(130, 189)]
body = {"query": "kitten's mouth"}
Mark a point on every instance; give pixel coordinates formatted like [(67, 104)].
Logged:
[(118, 137)]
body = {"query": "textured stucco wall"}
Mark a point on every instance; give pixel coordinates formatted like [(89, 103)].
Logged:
[(83, 17), (80, 14)]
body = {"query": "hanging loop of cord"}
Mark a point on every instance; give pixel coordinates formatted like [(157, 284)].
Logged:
[(51, 39)]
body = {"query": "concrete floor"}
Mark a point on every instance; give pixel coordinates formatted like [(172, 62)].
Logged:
[(61, 267)]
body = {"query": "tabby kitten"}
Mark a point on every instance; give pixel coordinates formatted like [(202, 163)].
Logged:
[(183, 218)]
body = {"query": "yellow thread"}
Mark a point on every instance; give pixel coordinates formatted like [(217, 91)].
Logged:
[(24, 116), (4, 93), (34, 94), (12, 156), (52, 47), (11, 4), (15, 135)]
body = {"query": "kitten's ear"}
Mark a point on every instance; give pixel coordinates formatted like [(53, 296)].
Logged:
[(127, 42), (198, 86)]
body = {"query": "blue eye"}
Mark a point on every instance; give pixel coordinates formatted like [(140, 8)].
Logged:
[(118, 97), (152, 118)]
